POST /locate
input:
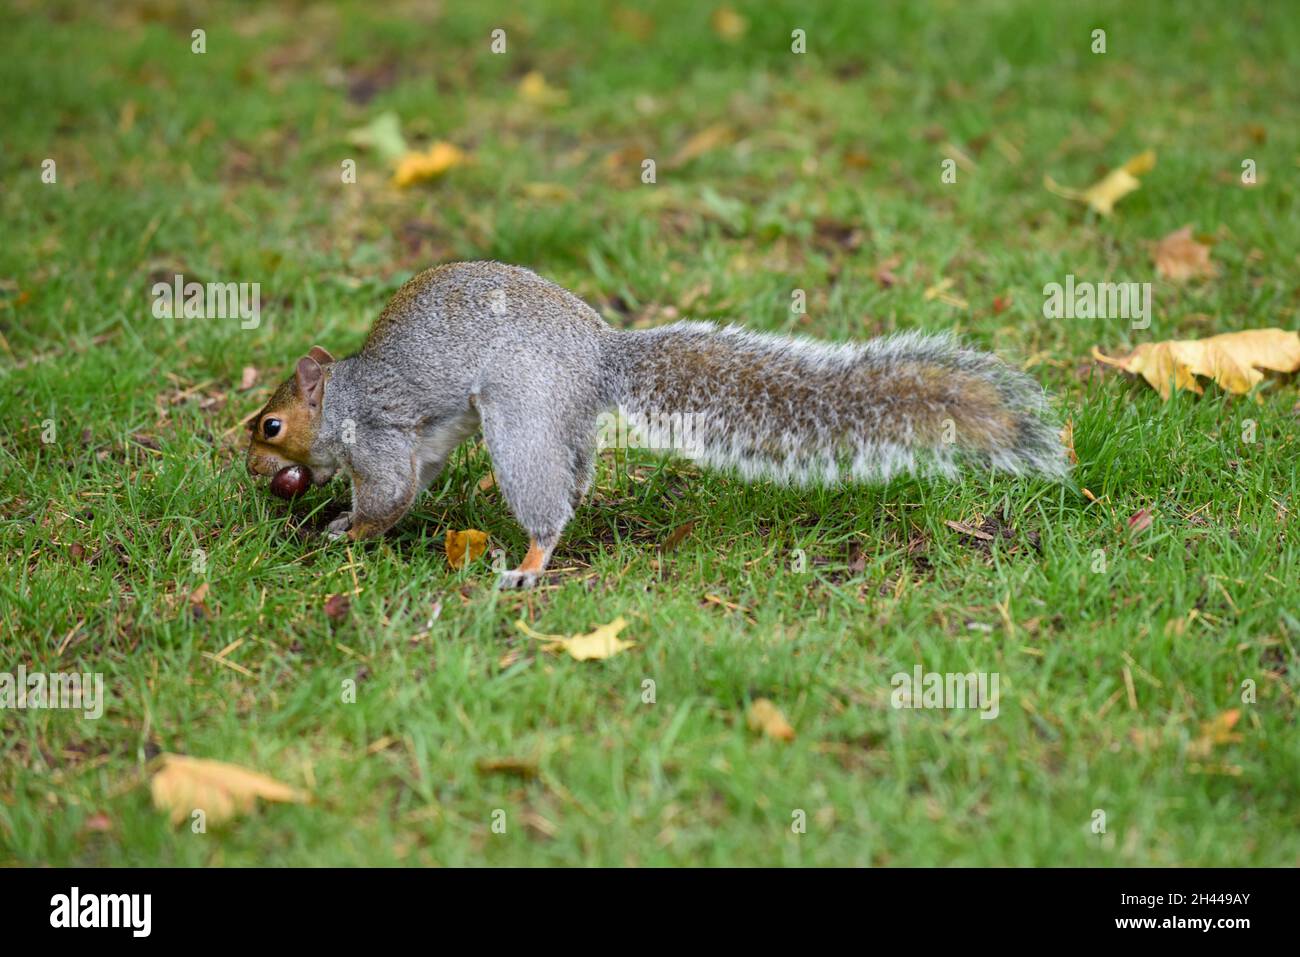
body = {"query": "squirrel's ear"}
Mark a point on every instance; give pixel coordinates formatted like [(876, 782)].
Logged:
[(311, 380), (321, 355)]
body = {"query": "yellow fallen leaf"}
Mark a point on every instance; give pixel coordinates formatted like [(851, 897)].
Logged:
[(706, 140), (1216, 731), (594, 646), (765, 717), (728, 24), (1180, 257), (940, 291), (1067, 440), (415, 167), (1111, 188), (1233, 360), (183, 785), (535, 90), (1219, 728), (466, 546)]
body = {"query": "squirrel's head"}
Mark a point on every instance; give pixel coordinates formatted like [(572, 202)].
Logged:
[(283, 433)]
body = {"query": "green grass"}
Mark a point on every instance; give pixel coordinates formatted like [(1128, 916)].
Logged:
[(1112, 647)]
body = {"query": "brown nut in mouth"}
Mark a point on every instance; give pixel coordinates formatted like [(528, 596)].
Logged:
[(291, 481)]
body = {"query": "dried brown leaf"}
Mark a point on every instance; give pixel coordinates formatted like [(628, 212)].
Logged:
[(1233, 360), (1180, 257)]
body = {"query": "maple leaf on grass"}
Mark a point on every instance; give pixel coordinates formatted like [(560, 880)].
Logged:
[(1180, 257), (766, 718), (706, 140), (534, 89), (466, 546), (183, 785), (416, 167), (1111, 188), (593, 646), (1215, 733), (383, 134), (1233, 360)]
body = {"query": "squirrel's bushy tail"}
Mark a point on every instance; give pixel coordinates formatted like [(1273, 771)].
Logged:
[(808, 412)]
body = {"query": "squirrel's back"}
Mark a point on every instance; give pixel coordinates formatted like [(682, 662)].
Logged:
[(479, 299), (467, 328)]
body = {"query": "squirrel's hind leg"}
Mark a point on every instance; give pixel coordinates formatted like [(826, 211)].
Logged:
[(536, 451)]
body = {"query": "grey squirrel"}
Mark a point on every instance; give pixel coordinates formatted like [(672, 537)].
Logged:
[(484, 345)]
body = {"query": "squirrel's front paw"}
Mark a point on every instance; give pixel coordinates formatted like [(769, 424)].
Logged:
[(516, 579), (339, 527)]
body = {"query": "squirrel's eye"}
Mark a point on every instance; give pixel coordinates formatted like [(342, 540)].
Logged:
[(270, 428)]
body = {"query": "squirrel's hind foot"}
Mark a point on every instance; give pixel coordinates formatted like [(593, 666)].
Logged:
[(530, 569), (517, 578)]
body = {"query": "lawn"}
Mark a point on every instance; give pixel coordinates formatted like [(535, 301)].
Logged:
[(1131, 616)]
